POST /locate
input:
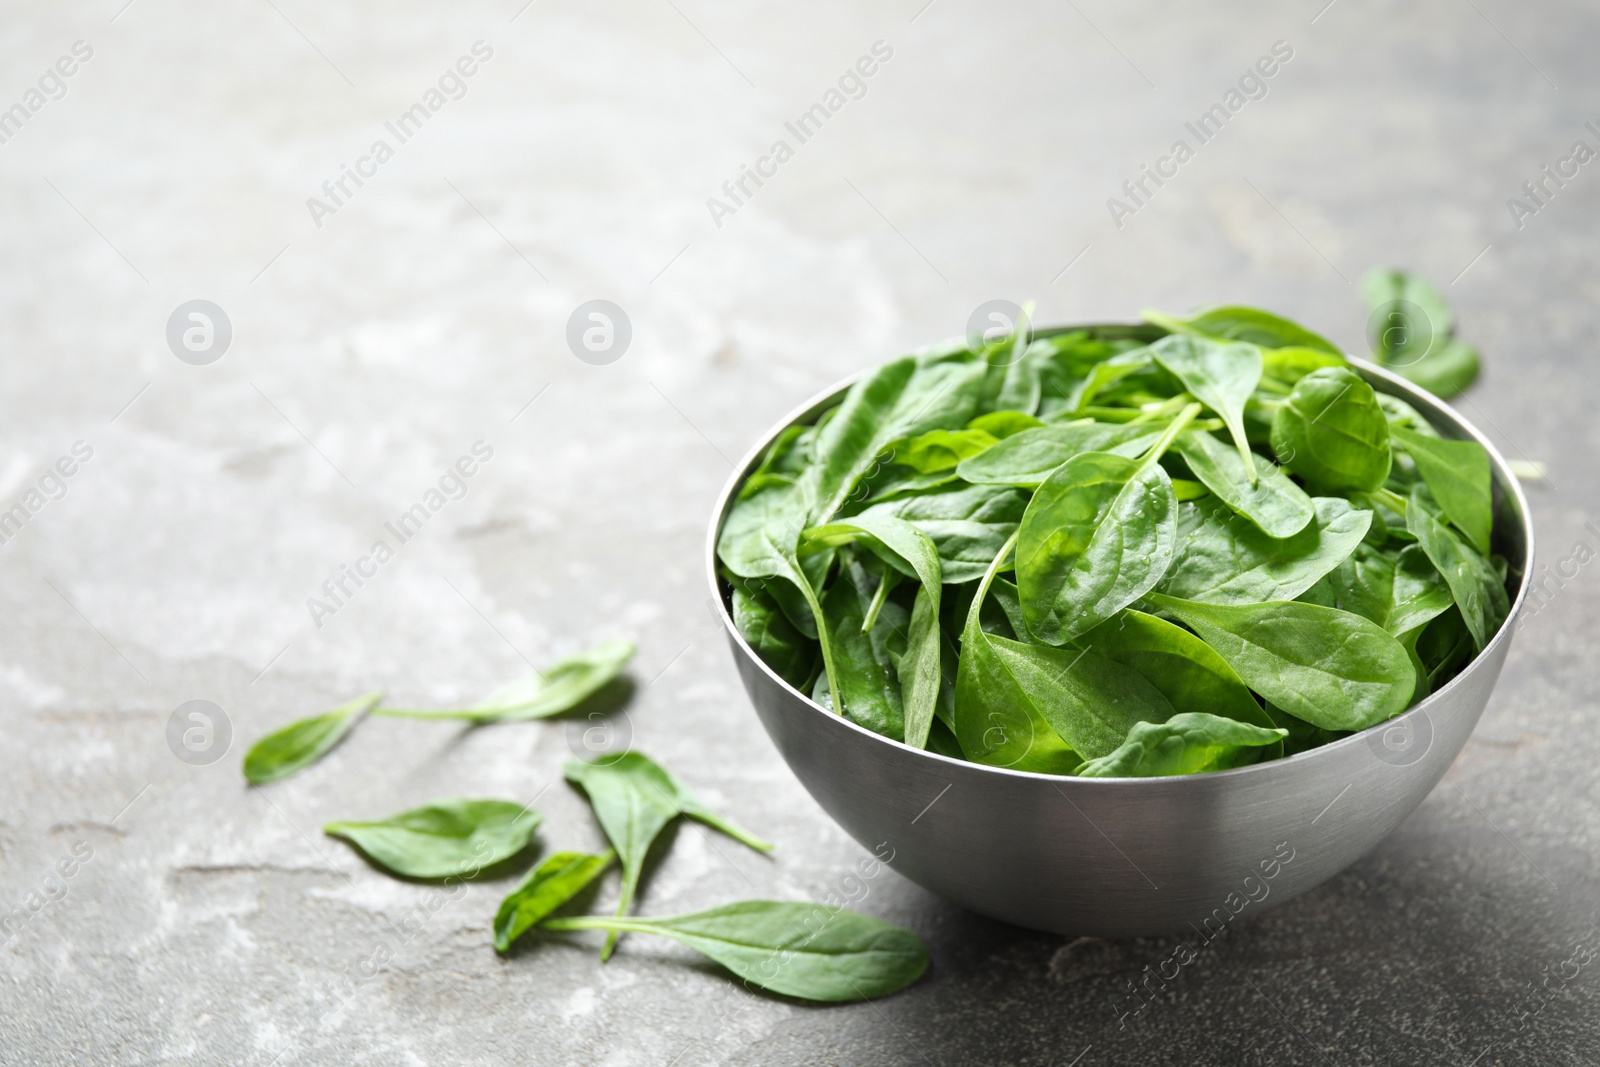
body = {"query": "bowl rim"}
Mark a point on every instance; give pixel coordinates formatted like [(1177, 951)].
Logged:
[(1400, 387)]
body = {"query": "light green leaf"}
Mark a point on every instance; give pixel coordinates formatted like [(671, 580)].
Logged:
[(1257, 327), (443, 839), (634, 798), (300, 744), (550, 885), (1221, 375), (1271, 500), (811, 951), (1026, 459)]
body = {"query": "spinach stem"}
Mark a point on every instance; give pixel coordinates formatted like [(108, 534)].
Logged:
[(1179, 424), (600, 922), (1171, 407), (428, 713), (1390, 499), (988, 577), (879, 597)]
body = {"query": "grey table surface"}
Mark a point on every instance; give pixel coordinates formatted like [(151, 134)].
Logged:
[(377, 337)]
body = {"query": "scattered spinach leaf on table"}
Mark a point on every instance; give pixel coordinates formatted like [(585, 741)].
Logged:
[(443, 839), (547, 887), (810, 951), (300, 744)]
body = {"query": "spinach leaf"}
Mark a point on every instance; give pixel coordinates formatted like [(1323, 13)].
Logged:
[(810, 951), (941, 450), (1302, 736), (1332, 432), (1089, 700), (1221, 375), (774, 638), (1226, 559), (1003, 424), (904, 398), (1190, 743), (1098, 534), (967, 524), (1289, 365), (1026, 459), (558, 688), (998, 720), (1257, 327), (300, 744), (1457, 473), (1398, 591), (1479, 592), (634, 798), (760, 539), (443, 839), (1413, 332), (864, 660), (917, 667), (1331, 668), (550, 885), (1270, 500), (1186, 670)]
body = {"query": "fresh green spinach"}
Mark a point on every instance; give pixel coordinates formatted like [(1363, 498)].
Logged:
[(443, 839)]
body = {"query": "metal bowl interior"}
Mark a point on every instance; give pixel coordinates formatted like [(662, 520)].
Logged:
[(1133, 857)]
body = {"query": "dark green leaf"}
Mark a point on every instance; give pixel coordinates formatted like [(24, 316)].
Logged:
[(811, 951), (1219, 374), (1332, 432), (1478, 591), (1191, 743), (998, 719), (1089, 700), (1457, 473), (1273, 502), (1186, 670), (864, 660), (917, 661), (443, 839), (967, 524), (300, 744), (550, 885), (1399, 591), (1331, 668), (774, 638), (1226, 559), (1098, 534)]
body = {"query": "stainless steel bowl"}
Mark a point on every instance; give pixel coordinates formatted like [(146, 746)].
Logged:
[(1131, 857)]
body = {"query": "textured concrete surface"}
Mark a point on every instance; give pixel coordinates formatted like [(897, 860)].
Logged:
[(204, 922)]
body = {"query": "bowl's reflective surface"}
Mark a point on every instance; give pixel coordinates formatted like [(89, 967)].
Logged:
[(1120, 858)]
